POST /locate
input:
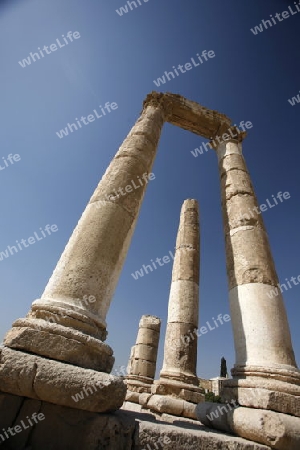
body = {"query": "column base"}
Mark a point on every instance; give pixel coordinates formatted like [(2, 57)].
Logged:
[(289, 375), (188, 392), (276, 389), (62, 384), (138, 389), (61, 343), (72, 315), (139, 384), (179, 376)]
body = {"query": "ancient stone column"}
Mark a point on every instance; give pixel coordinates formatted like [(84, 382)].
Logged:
[(91, 263), (264, 354), (142, 362), (178, 376)]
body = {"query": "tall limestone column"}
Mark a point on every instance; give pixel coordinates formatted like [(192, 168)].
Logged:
[(93, 258), (178, 378), (142, 362), (265, 358)]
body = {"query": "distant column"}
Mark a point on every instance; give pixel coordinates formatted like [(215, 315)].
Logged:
[(142, 363), (178, 376)]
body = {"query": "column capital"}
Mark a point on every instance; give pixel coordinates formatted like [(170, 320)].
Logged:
[(159, 100), (227, 134)]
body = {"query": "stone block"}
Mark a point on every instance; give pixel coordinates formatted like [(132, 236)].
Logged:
[(141, 367), (63, 344), (147, 352), (63, 384), (132, 396), (148, 336), (247, 251), (183, 302), (186, 265), (70, 429), (264, 399), (166, 404)]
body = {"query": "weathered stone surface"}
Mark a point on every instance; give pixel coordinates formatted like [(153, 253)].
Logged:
[(281, 395), (60, 343), (189, 392), (144, 336), (235, 182), (166, 404), (144, 398), (70, 429), (189, 410), (239, 211), (286, 379), (77, 319), (182, 335), (264, 399), (184, 435), (192, 396), (55, 382), (145, 351), (186, 266), (184, 302), (137, 397), (151, 322), (132, 396), (176, 405), (236, 161), (279, 431), (190, 433), (134, 386), (248, 250), (143, 368), (137, 383)]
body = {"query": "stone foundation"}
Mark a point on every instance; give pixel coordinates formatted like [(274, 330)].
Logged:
[(256, 397), (59, 383), (71, 429), (62, 428)]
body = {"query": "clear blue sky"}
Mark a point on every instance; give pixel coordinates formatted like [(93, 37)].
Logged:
[(116, 59)]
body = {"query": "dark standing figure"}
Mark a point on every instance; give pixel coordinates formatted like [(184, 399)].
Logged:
[(223, 372)]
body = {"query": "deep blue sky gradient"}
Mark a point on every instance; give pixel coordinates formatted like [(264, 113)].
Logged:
[(116, 60)]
